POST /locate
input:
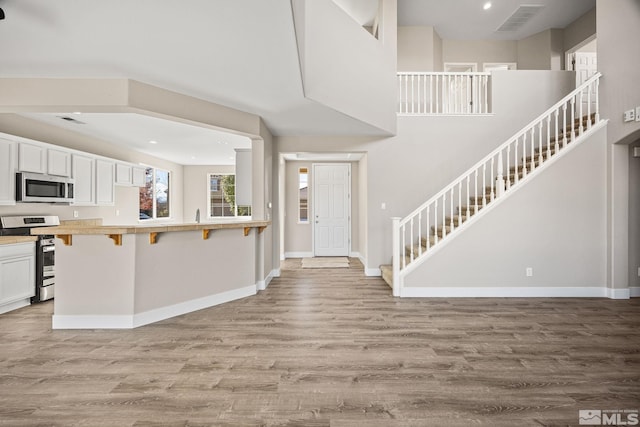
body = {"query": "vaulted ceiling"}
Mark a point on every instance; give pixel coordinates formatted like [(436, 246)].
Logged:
[(237, 53)]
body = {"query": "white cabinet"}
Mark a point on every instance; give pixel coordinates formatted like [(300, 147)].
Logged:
[(17, 274), (58, 162), (139, 176), (7, 172), (85, 182), (123, 174), (105, 179), (32, 158)]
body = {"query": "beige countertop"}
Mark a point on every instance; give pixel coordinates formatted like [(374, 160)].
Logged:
[(82, 229), (11, 240)]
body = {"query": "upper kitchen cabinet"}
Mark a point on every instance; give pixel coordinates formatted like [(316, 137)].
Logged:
[(123, 174), (7, 172), (39, 159), (105, 179), (32, 158), (139, 176), (84, 168), (130, 175), (58, 162)]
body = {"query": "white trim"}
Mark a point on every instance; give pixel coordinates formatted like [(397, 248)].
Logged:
[(505, 292), (634, 292), (62, 321), (263, 284), (298, 255), (472, 65), (618, 293), (151, 316), (510, 65), (15, 305), (373, 272)]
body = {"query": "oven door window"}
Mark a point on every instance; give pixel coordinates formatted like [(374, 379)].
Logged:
[(48, 259)]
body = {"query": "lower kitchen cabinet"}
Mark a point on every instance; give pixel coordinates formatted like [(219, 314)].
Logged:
[(17, 275)]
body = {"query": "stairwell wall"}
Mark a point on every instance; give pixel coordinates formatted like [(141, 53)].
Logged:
[(555, 223), (429, 152)]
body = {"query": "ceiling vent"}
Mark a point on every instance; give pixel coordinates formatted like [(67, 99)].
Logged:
[(72, 120), (521, 16)]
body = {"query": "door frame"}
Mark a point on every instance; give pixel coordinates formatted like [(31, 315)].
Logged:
[(315, 204)]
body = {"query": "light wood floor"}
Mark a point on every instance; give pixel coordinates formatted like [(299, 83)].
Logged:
[(328, 348)]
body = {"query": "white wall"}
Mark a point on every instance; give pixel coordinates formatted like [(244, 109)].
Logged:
[(534, 52), (428, 152), (580, 30), (341, 75), (634, 216), (554, 223), (196, 187), (618, 31), (479, 51)]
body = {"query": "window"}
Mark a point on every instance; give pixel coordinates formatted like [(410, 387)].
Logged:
[(155, 195), (303, 196), (222, 197)]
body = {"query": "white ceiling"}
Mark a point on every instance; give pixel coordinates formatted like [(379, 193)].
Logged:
[(181, 143), (237, 53), (466, 19)]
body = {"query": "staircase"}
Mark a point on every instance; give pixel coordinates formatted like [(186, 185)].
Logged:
[(420, 234)]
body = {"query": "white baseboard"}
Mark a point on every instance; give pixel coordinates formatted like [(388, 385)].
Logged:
[(263, 284), (504, 292), (15, 305), (634, 292), (372, 272), (151, 316), (298, 254), (618, 293)]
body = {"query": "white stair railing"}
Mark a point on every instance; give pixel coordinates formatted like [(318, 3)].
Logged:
[(490, 178), (424, 94)]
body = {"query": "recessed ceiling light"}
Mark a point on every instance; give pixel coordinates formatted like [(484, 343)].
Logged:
[(153, 142), (487, 5), (77, 112)]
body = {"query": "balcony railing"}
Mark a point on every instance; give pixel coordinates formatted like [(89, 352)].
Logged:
[(427, 93)]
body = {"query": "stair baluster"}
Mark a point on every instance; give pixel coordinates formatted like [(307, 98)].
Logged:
[(564, 125), (555, 145)]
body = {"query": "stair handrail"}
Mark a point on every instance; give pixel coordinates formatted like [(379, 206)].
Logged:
[(520, 133), (400, 225)]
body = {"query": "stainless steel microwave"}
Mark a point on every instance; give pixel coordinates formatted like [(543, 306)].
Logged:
[(36, 187)]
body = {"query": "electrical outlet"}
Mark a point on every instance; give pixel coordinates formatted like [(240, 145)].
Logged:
[(529, 272), (383, 206), (638, 271), (629, 116), (637, 114), (76, 214), (117, 212)]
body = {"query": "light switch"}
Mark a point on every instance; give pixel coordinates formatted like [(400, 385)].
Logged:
[(383, 206), (637, 114), (629, 116)]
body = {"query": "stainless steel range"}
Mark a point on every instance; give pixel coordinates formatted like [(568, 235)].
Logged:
[(45, 249)]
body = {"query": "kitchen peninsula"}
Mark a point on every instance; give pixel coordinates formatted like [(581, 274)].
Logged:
[(129, 276)]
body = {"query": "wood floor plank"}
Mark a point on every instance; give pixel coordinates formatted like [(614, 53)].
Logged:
[(328, 347)]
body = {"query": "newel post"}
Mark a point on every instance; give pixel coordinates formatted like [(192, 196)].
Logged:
[(500, 178), (396, 255)]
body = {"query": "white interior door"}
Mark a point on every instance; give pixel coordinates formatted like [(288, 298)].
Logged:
[(585, 66), (332, 210)]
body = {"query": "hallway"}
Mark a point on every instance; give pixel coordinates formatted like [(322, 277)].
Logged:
[(325, 347)]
